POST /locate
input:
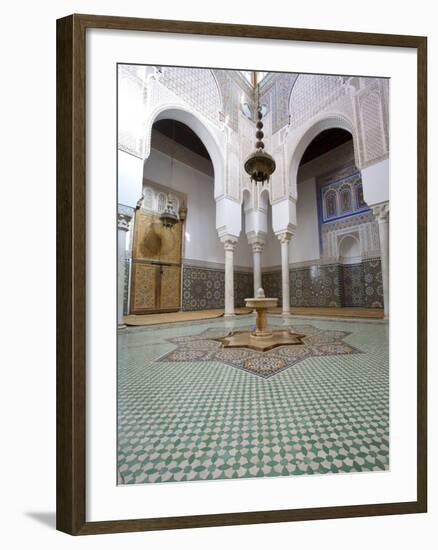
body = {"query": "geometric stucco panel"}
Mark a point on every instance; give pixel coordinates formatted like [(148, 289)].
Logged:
[(197, 87), (310, 94)]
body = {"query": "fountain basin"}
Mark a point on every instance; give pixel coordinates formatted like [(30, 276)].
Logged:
[(262, 339), (261, 304), (246, 339)]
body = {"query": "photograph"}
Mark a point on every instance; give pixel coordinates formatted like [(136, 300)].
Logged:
[(225, 338), (253, 296)]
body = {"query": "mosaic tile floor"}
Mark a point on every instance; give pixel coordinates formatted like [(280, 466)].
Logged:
[(191, 417), (205, 347)]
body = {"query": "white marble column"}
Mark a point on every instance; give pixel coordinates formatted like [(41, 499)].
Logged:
[(284, 239), (122, 230), (381, 212), (229, 242), (257, 247)]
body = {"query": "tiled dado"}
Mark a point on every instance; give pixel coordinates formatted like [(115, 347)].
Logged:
[(127, 267), (316, 285), (334, 285), (243, 287), (204, 288), (319, 286), (362, 284), (271, 283)]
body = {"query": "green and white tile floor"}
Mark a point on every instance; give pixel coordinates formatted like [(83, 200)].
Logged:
[(186, 412)]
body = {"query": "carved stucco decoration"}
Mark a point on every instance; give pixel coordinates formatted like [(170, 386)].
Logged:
[(311, 94), (372, 121), (299, 107), (279, 178), (123, 221), (132, 92), (198, 87), (230, 98), (381, 212), (275, 93), (360, 223), (154, 198)]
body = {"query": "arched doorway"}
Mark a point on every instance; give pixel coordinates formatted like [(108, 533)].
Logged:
[(178, 169), (336, 232), (334, 122), (206, 134)]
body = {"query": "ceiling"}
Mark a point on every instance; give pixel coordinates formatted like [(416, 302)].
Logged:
[(325, 142), (182, 134)]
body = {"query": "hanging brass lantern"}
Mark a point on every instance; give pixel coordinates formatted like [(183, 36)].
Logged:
[(182, 212), (259, 165), (168, 216)]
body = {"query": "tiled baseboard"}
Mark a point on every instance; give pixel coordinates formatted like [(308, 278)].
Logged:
[(204, 288), (333, 285)]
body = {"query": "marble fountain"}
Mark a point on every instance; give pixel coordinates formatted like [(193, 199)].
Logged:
[(262, 338)]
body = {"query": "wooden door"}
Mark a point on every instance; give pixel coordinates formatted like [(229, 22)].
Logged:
[(170, 287), (156, 265), (155, 243), (144, 293), (155, 288)]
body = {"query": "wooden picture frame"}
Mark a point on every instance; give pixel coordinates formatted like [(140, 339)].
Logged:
[(71, 274)]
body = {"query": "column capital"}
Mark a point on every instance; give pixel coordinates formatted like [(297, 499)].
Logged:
[(257, 246), (229, 242), (257, 243), (284, 236), (381, 212), (123, 221)]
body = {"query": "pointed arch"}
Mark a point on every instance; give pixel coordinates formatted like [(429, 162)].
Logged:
[(349, 248), (200, 128), (308, 134), (246, 199), (264, 199)]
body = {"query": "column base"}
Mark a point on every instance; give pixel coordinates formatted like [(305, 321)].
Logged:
[(228, 315), (121, 326), (286, 314)]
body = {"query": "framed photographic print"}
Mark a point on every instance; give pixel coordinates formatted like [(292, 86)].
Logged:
[(241, 322)]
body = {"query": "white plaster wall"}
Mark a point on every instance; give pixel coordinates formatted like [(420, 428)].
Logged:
[(243, 251), (228, 217), (201, 239), (327, 162), (375, 182), (284, 215), (271, 255), (130, 177), (304, 245)]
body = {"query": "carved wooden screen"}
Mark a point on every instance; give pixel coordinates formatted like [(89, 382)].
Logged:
[(156, 267)]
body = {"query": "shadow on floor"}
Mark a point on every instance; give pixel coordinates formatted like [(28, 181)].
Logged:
[(45, 518)]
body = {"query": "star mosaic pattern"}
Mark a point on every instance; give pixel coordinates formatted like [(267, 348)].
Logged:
[(316, 342), (204, 419)]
